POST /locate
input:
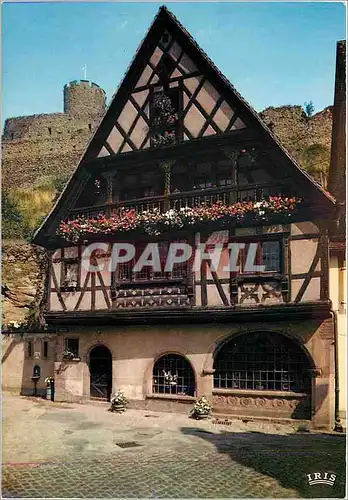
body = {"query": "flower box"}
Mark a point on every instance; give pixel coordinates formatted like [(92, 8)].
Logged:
[(153, 222)]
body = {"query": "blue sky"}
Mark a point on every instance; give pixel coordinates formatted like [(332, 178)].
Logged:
[(273, 53)]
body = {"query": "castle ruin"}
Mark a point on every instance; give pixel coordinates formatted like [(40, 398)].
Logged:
[(51, 144)]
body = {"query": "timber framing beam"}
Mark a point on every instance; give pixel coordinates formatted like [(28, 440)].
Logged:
[(319, 310)]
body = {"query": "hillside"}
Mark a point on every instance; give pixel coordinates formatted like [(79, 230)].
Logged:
[(295, 130), (307, 138)]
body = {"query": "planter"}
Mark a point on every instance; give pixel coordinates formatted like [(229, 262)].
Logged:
[(118, 408), (50, 392), (201, 416)]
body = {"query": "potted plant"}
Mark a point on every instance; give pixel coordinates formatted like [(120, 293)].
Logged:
[(49, 381), (118, 402), (68, 354), (201, 409)]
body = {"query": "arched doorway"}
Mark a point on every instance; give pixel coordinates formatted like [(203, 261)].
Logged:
[(173, 374), (100, 368), (263, 373)]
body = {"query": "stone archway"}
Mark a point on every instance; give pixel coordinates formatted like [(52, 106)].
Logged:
[(100, 369)]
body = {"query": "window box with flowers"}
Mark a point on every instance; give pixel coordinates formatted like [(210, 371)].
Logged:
[(154, 222)]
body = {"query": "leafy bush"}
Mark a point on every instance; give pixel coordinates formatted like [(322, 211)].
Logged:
[(316, 160), (23, 210), (34, 205), (13, 224), (55, 183)]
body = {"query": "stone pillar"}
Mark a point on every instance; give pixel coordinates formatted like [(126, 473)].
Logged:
[(323, 392), (205, 384)]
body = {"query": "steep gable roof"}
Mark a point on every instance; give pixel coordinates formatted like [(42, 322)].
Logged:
[(165, 21)]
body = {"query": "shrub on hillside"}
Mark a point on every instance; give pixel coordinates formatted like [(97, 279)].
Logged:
[(23, 210), (316, 160), (13, 224)]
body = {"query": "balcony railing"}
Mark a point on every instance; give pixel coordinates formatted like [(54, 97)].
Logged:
[(227, 195)]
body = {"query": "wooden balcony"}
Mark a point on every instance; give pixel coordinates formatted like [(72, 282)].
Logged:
[(208, 197)]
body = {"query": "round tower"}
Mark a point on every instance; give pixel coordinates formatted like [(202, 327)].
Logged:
[(84, 98)]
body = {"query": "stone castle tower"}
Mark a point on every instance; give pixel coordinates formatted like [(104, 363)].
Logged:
[(51, 144)]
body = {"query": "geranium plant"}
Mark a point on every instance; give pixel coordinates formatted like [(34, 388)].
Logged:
[(155, 222), (201, 408), (169, 378)]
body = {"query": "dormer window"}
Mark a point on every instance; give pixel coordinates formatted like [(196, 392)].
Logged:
[(164, 111)]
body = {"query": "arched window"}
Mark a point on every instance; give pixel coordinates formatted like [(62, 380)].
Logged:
[(262, 361), (173, 374)]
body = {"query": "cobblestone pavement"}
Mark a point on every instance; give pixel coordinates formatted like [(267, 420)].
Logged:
[(83, 451)]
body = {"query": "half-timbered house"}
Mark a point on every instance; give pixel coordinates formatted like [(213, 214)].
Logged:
[(181, 157)]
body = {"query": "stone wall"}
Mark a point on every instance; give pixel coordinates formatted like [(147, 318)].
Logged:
[(25, 161), (17, 367), (24, 269), (296, 131)]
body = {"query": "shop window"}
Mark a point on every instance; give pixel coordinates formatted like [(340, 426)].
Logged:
[(173, 374), (262, 361)]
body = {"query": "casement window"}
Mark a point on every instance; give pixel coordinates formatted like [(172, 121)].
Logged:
[(142, 185), (165, 106), (262, 361), (71, 345), (268, 254), (94, 192), (125, 273), (70, 275), (209, 176)]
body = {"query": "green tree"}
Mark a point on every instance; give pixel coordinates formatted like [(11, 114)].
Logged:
[(316, 160), (308, 109)]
